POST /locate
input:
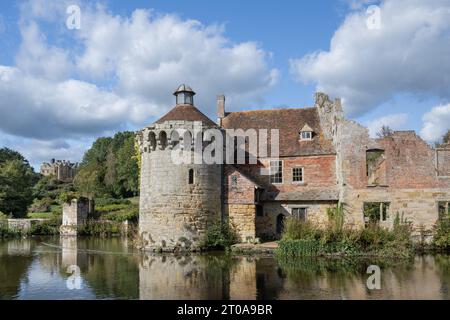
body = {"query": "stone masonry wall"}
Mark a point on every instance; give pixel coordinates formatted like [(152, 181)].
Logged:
[(74, 215), (242, 218), (316, 214), (173, 213), (412, 185)]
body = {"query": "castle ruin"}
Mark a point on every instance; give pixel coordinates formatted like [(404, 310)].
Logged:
[(324, 159)]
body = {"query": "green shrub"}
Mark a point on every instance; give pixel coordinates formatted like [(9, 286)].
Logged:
[(295, 229), (100, 228), (220, 236), (441, 239), (46, 228), (3, 216), (304, 239), (42, 205), (67, 197)]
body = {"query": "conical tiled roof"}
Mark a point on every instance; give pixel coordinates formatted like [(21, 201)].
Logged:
[(186, 112)]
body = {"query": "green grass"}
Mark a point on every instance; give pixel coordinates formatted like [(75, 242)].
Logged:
[(118, 210), (40, 215)]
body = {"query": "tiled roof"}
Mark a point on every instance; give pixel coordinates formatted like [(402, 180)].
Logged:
[(186, 112), (289, 122), (313, 194)]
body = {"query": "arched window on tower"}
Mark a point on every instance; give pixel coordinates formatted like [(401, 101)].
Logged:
[(191, 176), (175, 138), (152, 140), (163, 139)]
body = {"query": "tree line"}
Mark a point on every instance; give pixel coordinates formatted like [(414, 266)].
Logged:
[(109, 169)]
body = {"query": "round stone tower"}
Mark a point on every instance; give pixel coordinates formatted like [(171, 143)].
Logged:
[(180, 196)]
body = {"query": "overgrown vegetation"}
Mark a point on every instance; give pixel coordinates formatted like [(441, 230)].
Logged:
[(117, 209), (100, 228), (109, 168), (16, 182), (220, 236), (46, 228), (304, 239), (441, 239)]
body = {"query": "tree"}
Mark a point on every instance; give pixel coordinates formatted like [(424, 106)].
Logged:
[(445, 141), (385, 132), (16, 182), (446, 137), (109, 168)]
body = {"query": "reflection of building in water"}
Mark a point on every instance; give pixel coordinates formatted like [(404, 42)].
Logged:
[(19, 247), (186, 277), (69, 251), (207, 277), (247, 278), (71, 255), (242, 280), (421, 279)]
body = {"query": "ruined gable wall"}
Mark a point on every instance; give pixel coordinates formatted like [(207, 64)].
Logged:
[(410, 162), (412, 185)]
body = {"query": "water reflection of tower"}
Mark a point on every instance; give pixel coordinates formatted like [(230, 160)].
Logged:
[(71, 255), (181, 277), (208, 277)]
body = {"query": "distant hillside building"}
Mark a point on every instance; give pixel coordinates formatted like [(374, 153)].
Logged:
[(61, 169)]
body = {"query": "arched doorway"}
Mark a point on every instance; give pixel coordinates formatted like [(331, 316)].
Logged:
[(280, 224)]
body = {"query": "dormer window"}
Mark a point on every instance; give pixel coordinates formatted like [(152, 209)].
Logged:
[(306, 133)]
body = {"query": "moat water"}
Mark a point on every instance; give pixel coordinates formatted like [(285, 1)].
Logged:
[(53, 268)]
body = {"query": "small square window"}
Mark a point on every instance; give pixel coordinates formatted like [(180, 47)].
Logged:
[(299, 213), (305, 135), (297, 174), (276, 171)]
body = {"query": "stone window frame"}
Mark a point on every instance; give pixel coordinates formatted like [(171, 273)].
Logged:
[(305, 208), (384, 206), (302, 175), (272, 176)]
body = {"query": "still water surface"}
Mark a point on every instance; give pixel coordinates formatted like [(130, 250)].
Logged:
[(53, 268)]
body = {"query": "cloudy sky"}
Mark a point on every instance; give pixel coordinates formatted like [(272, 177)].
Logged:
[(61, 87)]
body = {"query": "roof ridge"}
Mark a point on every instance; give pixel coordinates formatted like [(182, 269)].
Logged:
[(272, 110), (176, 113)]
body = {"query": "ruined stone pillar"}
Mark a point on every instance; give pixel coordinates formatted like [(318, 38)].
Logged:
[(75, 214)]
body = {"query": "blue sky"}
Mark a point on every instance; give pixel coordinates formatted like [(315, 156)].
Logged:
[(63, 88)]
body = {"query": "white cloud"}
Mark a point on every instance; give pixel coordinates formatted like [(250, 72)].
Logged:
[(408, 54), (436, 123), (394, 121), (117, 72), (151, 54)]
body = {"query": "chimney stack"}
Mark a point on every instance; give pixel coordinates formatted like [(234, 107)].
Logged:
[(220, 109)]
